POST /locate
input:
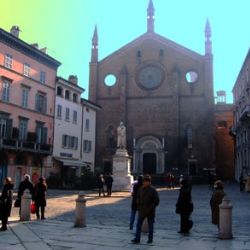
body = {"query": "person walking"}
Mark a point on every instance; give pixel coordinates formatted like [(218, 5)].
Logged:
[(40, 191), (6, 202), (147, 201), (135, 190), (184, 207), (216, 200), (109, 182), (100, 184)]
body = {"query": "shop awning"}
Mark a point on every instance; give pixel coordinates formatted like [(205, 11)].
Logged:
[(71, 163)]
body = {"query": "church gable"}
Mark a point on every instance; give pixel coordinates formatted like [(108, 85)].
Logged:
[(149, 56)]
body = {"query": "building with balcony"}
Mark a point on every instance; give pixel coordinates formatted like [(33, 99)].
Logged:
[(27, 101), (241, 126)]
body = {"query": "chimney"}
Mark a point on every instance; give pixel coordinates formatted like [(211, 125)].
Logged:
[(15, 31), (73, 79), (35, 45), (44, 50)]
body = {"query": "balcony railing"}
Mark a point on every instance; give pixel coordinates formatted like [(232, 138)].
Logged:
[(25, 146)]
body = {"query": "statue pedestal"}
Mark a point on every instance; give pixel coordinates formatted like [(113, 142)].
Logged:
[(121, 171)]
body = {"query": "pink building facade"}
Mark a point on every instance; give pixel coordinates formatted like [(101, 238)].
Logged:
[(27, 101)]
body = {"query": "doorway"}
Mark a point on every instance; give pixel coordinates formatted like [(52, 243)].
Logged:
[(149, 163)]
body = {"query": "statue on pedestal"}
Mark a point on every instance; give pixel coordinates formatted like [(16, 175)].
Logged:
[(121, 136)]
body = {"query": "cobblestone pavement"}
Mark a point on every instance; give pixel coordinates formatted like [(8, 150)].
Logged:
[(108, 217)]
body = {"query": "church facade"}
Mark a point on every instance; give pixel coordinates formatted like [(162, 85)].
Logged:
[(163, 93)]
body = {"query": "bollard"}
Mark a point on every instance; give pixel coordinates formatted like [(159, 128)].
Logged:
[(144, 228), (25, 206), (80, 213), (225, 225)]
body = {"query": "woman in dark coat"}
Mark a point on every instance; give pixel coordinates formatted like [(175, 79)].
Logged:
[(6, 202), (184, 206), (40, 197), (216, 200)]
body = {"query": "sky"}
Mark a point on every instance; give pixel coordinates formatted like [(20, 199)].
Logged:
[(66, 27)]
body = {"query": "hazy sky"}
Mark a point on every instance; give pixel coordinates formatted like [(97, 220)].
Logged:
[(66, 27)]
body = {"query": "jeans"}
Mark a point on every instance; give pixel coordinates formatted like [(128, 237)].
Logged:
[(132, 218), (150, 227)]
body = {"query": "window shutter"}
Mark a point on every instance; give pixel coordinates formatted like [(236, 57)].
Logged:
[(76, 144), (45, 104), (44, 135), (9, 128), (36, 104)]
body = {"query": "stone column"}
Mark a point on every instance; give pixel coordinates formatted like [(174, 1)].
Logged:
[(80, 212), (225, 224), (25, 206)]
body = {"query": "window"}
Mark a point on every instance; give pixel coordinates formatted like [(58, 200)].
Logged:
[(23, 127), (41, 133), (189, 137), (87, 146), (67, 113), (70, 142), (26, 69), (67, 95), (41, 103), (6, 91), (59, 111), (87, 125), (8, 61), (59, 91), (75, 97), (5, 126), (25, 97), (74, 116), (42, 76)]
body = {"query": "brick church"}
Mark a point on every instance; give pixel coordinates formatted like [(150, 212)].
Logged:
[(163, 93)]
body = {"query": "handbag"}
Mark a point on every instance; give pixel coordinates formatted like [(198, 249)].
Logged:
[(17, 202), (33, 207)]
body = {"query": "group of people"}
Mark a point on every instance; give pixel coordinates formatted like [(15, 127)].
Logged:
[(102, 181), (37, 191), (145, 199)]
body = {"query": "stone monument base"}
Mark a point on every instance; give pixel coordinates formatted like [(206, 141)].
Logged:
[(121, 171)]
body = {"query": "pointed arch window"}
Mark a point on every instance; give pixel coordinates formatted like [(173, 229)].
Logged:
[(189, 134)]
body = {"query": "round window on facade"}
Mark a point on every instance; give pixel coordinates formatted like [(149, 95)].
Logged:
[(110, 80), (191, 77)]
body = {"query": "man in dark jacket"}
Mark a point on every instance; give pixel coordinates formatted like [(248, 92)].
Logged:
[(109, 182), (147, 200), (6, 202)]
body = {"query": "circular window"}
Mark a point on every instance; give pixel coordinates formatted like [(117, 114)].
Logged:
[(110, 80), (150, 76), (191, 77)]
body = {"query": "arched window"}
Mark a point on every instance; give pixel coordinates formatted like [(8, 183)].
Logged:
[(75, 97), (189, 132), (59, 91), (67, 95)]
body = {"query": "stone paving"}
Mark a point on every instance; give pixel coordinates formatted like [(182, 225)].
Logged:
[(107, 224)]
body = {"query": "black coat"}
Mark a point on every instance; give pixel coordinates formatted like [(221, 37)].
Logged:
[(147, 201), (109, 181), (40, 194), (6, 200), (26, 184), (184, 203)]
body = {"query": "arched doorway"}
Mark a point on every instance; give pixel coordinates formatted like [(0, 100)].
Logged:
[(149, 156), (149, 163)]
